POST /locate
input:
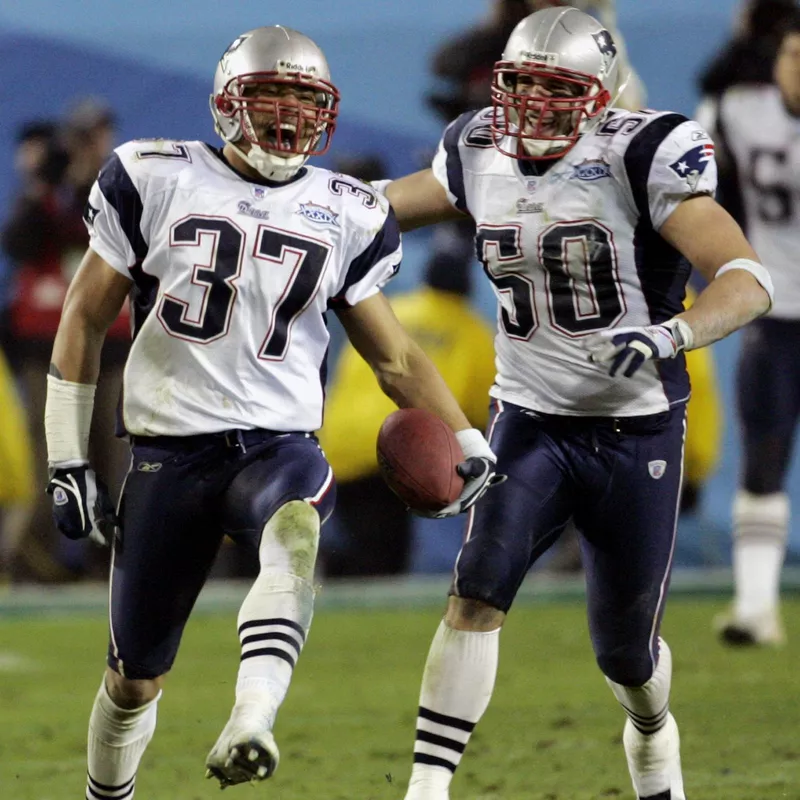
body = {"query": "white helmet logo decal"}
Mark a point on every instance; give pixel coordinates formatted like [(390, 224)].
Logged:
[(232, 47)]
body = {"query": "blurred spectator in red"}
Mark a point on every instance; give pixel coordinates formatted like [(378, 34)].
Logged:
[(45, 238)]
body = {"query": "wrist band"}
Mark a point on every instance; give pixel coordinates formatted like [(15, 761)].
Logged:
[(758, 271), (67, 420)]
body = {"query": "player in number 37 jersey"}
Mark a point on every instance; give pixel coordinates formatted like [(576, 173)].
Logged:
[(232, 258), (232, 282), (587, 218)]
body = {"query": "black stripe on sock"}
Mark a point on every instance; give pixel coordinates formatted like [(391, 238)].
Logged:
[(433, 761), (255, 623), (652, 720), (99, 796), (270, 651), (667, 795), (104, 788), (443, 719), (280, 637), (441, 741)]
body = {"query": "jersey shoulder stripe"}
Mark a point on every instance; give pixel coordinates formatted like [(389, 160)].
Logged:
[(454, 165), (385, 243), (120, 192), (640, 153)]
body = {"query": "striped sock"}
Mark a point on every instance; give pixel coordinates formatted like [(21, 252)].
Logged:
[(456, 688), (647, 706), (118, 738), (273, 624)]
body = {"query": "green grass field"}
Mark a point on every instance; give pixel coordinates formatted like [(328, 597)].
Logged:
[(346, 730)]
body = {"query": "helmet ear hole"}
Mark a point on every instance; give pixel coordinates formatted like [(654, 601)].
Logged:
[(224, 105)]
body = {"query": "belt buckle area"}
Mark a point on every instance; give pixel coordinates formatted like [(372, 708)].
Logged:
[(234, 439)]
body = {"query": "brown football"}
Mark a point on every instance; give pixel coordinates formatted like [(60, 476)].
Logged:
[(418, 454)]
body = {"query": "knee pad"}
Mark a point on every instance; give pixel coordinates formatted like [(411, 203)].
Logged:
[(761, 515), (290, 540)]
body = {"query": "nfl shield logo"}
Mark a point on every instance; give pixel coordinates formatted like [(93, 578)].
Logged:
[(656, 469), (259, 192)]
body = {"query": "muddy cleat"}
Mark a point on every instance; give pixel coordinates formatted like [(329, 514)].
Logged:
[(760, 630), (243, 757)]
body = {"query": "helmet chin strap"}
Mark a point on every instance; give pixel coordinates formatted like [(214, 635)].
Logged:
[(269, 166)]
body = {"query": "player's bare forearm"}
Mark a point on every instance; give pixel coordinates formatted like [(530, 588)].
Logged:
[(709, 238), (419, 199), (414, 382), (76, 350), (93, 302), (400, 365), (726, 304)]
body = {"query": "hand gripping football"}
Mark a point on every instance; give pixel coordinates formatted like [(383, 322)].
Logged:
[(418, 454)]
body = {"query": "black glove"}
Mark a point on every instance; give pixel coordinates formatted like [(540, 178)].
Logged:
[(81, 504), (479, 476)]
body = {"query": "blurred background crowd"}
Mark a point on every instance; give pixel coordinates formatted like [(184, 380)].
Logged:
[(76, 87)]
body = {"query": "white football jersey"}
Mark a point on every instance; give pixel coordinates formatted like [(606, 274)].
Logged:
[(762, 142), (576, 250), (232, 280)]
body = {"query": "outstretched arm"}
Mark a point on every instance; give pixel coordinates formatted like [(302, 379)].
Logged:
[(419, 199), (401, 367), (410, 378)]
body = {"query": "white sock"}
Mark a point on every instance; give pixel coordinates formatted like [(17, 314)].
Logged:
[(456, 688), (276, 614), (118, 738), (760, 531), (647, 706), (651, 739)]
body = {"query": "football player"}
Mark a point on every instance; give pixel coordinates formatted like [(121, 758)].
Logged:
[(756, 133), (232, 257), (588, 218)]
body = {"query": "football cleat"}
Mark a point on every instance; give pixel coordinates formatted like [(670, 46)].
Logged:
[(242, 754), (759, 630), (654, 761)]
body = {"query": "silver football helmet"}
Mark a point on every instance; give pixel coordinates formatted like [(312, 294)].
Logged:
[(272, 88), (552, 84)]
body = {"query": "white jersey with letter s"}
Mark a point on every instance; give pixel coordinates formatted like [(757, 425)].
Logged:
[(572, 248), (231, 282)]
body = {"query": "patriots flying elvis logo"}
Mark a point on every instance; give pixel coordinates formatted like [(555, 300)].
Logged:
[(692, 164), (608, 50)]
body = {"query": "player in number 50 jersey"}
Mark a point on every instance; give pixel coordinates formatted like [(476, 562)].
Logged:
[(232, 258), (586, 217)]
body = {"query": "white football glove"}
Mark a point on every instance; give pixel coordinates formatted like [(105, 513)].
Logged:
[(628, 348)]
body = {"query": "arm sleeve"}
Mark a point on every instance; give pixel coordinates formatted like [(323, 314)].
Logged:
[(447, 163), (668, 161), (372, 269), (113, 217)]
